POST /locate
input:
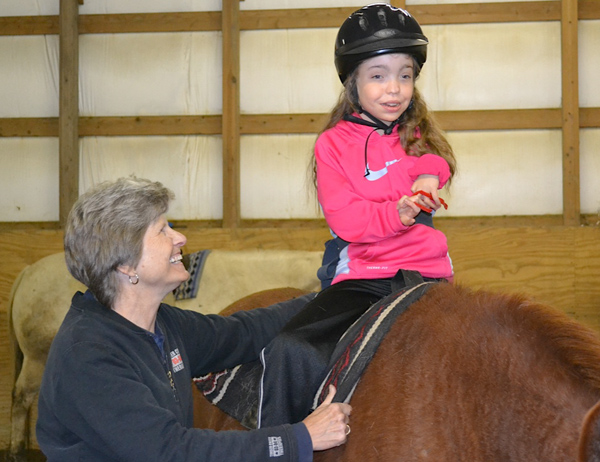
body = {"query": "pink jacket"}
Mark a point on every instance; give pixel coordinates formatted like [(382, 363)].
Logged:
[(363, 210)]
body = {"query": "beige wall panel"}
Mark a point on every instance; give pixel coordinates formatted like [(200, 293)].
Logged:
[(446, 2), (28, 179), (506, 173), (28, 7), (590, 171), (285, 71), (589, 63), (493, 66), (190, 165), (277, 4), (28, 76), (150, 74), (276, 180)]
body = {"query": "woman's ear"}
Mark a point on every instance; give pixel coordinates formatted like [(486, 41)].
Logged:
[(126, 270), (130, 273)]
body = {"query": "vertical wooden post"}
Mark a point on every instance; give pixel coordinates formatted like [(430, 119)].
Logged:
[(231, 113), (570, 113), (68, 116)]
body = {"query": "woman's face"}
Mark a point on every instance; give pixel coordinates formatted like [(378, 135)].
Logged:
[(385, 85), (160, 267)]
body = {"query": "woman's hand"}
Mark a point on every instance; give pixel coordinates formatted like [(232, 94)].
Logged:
[(328, 424), (429, 184)]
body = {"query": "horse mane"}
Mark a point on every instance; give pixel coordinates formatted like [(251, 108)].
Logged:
[(575, 345), (578, 346)]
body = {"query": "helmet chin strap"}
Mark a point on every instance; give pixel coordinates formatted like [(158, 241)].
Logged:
[(376, 124)]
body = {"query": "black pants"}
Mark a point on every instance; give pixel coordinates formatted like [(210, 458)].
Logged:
[(295, 362)]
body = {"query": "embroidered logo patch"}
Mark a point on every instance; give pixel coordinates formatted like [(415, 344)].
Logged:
[(275, 446), (176, 360)]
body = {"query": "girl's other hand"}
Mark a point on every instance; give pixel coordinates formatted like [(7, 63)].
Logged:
[(408, 209)]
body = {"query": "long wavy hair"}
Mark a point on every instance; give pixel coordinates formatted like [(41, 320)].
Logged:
[(416, 120)]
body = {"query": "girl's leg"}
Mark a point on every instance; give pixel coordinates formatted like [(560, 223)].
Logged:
[(295, 361)]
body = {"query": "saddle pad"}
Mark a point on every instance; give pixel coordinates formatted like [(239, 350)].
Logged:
[(194, 263), (236, 391), (357, 346)]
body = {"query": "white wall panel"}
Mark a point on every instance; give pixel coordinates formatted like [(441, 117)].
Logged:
[(29, 76), (450, 2), (51, 7), (288, 71), (28, 7), (589, 63), (506, 173), (492, 66), (590, 170), (190, 165), (29, 179), (277, 4), (276, 181), (150, 74)]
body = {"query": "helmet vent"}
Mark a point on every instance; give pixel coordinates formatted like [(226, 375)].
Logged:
[(363, 23), (386, 33), (382, 18)]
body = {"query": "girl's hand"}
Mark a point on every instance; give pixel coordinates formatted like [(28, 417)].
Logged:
[(429, 184), (408, 209)]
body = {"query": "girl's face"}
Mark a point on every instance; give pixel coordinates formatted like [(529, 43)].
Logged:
[(385, 85)]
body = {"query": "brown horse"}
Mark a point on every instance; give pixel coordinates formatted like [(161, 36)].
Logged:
[(473, 376)]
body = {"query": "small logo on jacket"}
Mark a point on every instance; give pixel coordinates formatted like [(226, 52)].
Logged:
[(374, 175), (275, 446), (176, 360)]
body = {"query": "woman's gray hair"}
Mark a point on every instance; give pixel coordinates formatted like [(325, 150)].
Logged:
[(106, 228)]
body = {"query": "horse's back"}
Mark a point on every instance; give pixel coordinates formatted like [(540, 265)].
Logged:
[(475, 376)]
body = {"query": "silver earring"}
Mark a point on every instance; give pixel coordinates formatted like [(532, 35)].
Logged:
[(134, 279)]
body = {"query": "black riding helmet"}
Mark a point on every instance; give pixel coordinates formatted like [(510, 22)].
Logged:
[(377, 29)]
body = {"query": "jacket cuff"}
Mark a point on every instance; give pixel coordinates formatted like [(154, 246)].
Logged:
[(431, 164), (305, 448)]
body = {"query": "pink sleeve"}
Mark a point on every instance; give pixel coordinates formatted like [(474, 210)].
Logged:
[(431, 164), (349, 215)]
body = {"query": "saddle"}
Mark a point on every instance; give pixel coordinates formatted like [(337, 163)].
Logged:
[(236, 391)]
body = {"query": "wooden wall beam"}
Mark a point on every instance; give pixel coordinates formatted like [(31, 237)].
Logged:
[(28, 25), (398, 3), (570, 113), (231, 114), (151, 22), (589, 9), (302, 18), (151, 125), (267, 124), (589, 117), (68, 119)]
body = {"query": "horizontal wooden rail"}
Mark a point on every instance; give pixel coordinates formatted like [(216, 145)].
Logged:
[(301, 18), (268, 124), (444, 223)]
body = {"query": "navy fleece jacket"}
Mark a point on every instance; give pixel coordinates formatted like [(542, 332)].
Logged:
[(109, 394)]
